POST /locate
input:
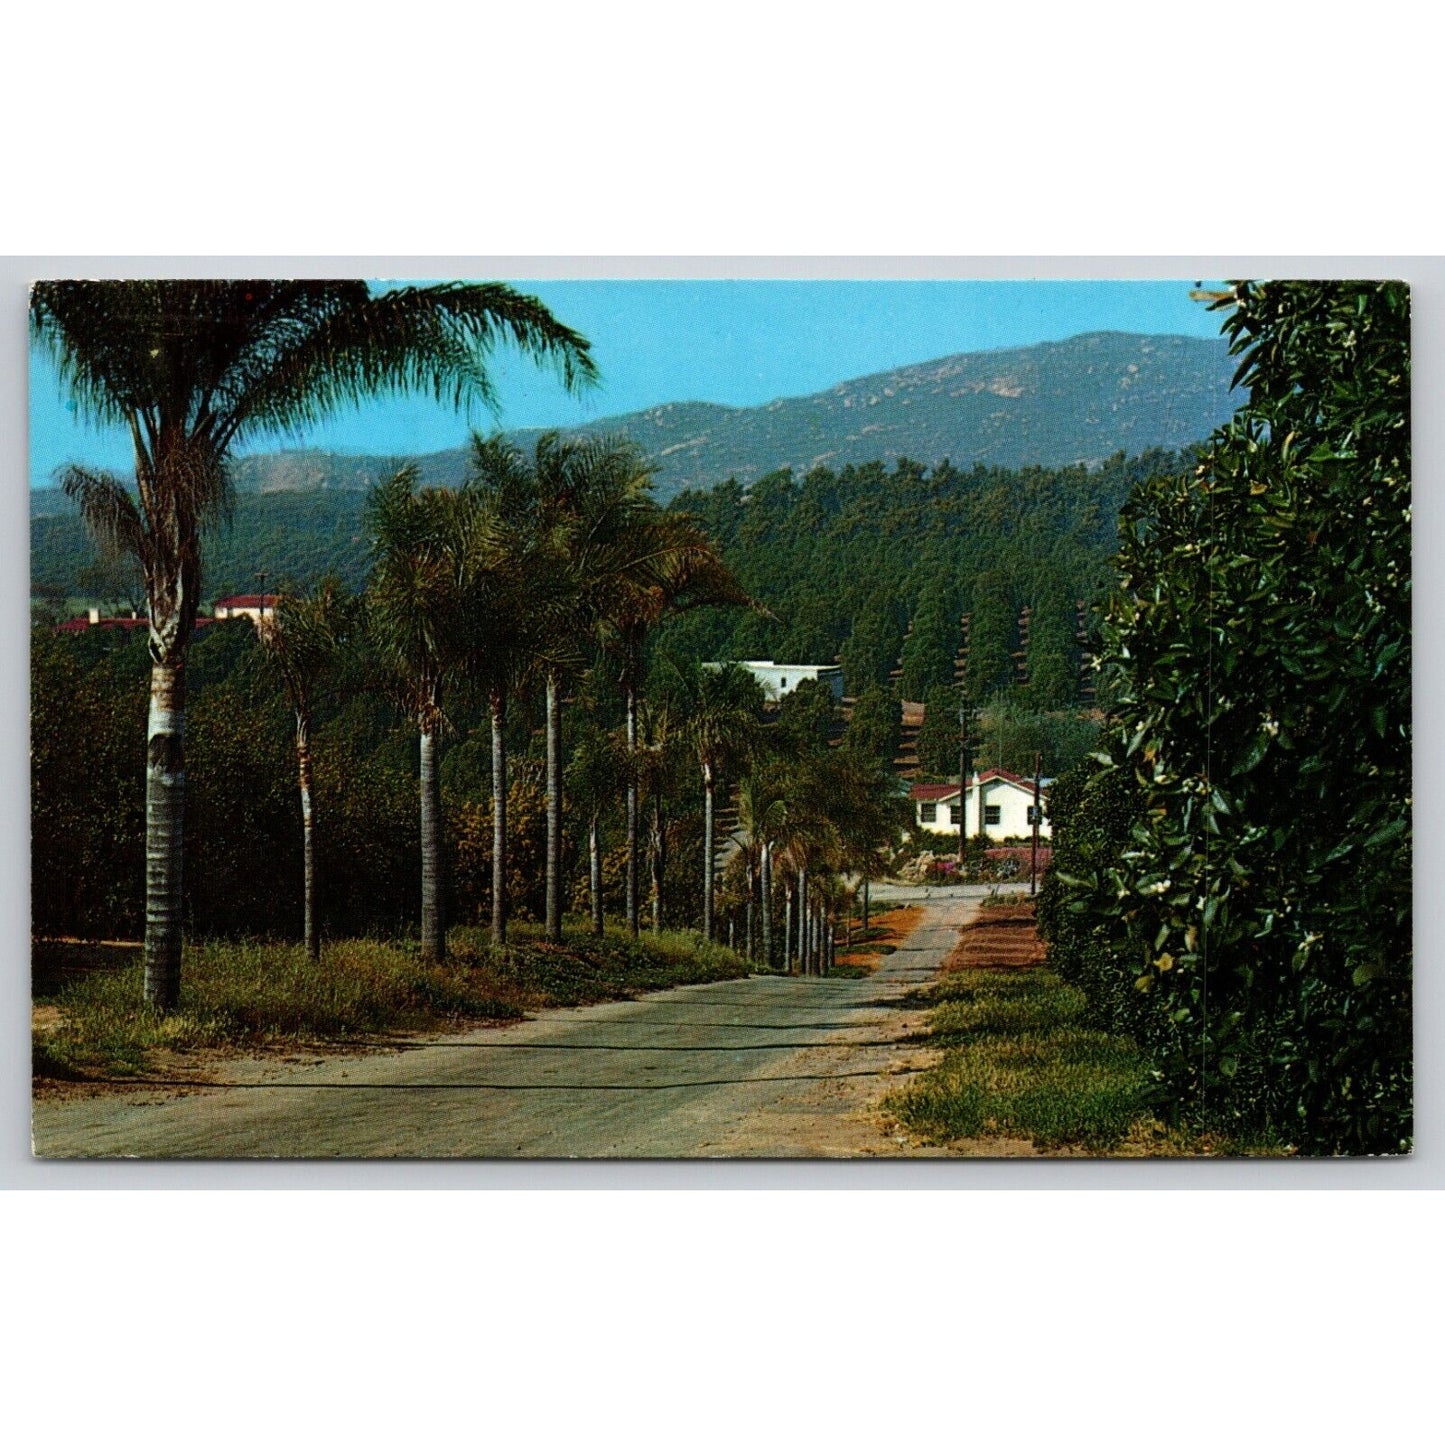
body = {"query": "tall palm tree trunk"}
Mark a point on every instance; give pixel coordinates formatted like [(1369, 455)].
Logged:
[(165, 809), (788, 930), (803, 921), (433, 926), (554, 808), (748, 915), (708, 863), (594, 861), (766, 889), (632, 859), (499, 821), (308, 839), (659, 859)]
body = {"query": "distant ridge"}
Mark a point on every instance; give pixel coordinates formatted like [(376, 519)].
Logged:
[(1052, 404)]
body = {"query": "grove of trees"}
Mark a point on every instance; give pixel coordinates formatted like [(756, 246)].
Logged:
[(507, 625)]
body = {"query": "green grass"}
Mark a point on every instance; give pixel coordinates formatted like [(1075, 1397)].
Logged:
[(1018, 1062), (259, 994)]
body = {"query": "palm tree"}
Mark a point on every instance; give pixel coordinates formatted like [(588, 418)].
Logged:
[(672, 568), (656, 763), (841, 815), (299, 643), (192, 368), (720, 708), (430, 552), (575, 508), (505, 639), (597, 768), (762, 814)]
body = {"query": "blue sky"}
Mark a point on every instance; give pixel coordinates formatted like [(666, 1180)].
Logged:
[(740, 343)]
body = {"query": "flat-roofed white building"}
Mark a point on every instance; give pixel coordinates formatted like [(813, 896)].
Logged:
[(778, 679)]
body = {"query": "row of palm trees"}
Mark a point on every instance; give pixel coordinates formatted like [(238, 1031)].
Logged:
[(820, 827), (537, 573), (534, 571), (192, 369)]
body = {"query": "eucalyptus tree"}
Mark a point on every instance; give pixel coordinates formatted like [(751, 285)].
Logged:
[(192, 368), (720, 709), (300, 642)]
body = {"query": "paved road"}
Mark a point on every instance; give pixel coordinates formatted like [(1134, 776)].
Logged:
[(764, 1065)]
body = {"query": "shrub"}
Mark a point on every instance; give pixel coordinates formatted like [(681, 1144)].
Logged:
[(1252, 884)]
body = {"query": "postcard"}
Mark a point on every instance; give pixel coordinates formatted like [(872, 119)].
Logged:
[(720, 718)]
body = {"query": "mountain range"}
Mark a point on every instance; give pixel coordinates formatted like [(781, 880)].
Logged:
[(1056, 403)]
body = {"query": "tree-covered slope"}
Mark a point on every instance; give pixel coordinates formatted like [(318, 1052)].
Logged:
[(873, 564), (877, 565)]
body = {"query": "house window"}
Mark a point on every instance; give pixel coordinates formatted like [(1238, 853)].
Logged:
[(953, 814), (785, 682), (991, 815), (927, 812)]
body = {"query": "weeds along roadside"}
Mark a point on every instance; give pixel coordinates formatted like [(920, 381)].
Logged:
[(264, 994)]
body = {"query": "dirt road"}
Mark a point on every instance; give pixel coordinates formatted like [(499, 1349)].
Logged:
[(782, 1067)]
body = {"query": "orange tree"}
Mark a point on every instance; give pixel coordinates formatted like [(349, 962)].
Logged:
[(1240, 862)]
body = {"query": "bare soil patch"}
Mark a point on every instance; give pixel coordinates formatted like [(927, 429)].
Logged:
[(1003, 937), (895, 926)]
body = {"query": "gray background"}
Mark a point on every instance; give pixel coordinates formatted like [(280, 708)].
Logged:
[(1425, 1169)]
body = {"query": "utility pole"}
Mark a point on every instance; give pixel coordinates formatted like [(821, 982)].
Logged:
[(1034, 858), (962, 784)]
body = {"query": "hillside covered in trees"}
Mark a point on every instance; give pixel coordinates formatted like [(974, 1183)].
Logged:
[(901, 573), (874, 565), (868, 564)]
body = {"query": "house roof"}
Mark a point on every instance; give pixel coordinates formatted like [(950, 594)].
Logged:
[(1008, 777), (248, 599), (932, 792), (938, 792)]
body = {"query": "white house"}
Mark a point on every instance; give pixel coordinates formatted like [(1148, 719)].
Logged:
[(1006, 801), (778, 679)]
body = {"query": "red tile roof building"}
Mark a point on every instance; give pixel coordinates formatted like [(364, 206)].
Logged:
[(254, 605), (1006, 801)]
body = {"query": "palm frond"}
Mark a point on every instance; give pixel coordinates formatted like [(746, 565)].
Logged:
[(101, 336), (109, 512), (305, 636), (434, 340)]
